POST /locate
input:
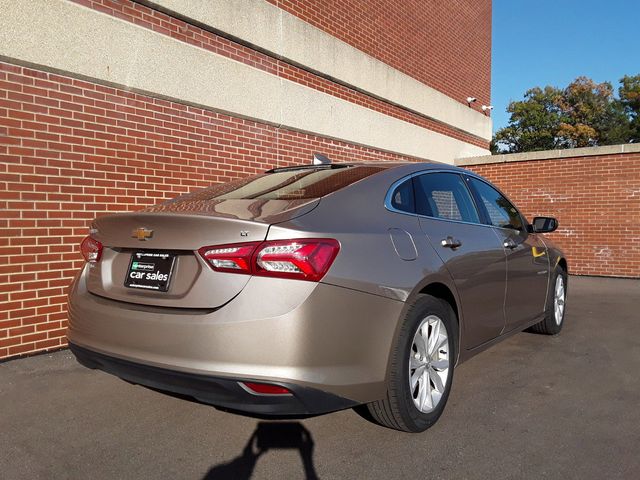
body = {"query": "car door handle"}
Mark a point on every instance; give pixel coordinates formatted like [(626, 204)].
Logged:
[(451, 242), (509, 243)]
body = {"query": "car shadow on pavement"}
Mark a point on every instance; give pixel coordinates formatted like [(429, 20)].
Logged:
[(268, 436)]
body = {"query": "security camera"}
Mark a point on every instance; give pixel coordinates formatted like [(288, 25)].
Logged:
[(487, 107), (471, 99)]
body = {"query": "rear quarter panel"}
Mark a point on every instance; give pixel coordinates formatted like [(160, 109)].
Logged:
[(368, 262)]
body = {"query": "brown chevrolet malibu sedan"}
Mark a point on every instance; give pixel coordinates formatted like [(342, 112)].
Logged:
[(310, 289)]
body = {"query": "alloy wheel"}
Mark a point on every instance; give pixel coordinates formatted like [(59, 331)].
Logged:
[(429, 364), (558, 300)]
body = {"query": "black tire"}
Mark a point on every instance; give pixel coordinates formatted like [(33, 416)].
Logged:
[(549, 325), (397, 410)]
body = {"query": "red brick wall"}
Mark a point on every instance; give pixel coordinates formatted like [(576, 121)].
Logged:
[(596, 200), (71, 150), (444, 44)]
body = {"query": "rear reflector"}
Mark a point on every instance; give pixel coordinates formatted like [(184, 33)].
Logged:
[(301, 259), (91, 250), (264, 389)]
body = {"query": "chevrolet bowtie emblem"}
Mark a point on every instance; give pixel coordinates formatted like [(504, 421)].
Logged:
[(142, 233)]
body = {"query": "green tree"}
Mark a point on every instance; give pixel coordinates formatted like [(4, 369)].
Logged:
[(583, 114), (592, 114), (629, 93), (534, 122)]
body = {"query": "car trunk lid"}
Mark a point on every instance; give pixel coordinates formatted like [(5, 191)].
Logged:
[(151, 257), (167, 240)]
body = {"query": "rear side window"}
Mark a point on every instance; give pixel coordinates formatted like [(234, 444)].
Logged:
[(444, 195), (295, 184), (500, 211), (402, 198)]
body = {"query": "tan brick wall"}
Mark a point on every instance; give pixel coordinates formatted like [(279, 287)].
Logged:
[(596, 200)]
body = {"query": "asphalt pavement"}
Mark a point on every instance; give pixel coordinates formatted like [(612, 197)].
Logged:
[(531, 407)]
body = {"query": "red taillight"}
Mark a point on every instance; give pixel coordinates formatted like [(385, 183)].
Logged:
[(305, 259), (302, 259), (265, 389), (91, 250), (230, 258)]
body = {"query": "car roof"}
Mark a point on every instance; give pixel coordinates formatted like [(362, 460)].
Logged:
[(408, 167)]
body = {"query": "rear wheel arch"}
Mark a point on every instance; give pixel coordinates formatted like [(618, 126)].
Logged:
[(398, 408), (444, 292), (436, 285), (440, 290), (437, 288)]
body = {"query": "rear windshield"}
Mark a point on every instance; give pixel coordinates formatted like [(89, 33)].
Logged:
[(286, 184)]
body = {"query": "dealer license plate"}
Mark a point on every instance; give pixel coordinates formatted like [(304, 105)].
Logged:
[(150, 271)]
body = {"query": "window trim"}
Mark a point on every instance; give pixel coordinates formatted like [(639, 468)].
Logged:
[(389, 196), (477, 198), (465, 188), (481, 213), (391, 193)]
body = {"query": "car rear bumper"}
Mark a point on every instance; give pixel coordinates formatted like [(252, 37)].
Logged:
[(306, 336), (221, 392)]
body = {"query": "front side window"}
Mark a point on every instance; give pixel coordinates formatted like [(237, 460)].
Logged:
[(444, 195), (500, 211)]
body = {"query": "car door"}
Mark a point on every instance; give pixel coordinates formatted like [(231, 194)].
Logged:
[(527, 256), (470, 251)]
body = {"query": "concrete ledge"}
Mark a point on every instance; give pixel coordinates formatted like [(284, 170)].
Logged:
[(550, 154), (285, 36)]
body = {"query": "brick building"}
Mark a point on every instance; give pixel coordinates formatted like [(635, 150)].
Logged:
[(111, 105)]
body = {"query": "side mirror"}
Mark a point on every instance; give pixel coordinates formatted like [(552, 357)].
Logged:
[(544, 225)]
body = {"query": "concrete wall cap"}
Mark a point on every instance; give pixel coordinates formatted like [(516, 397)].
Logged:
[(550, 154)]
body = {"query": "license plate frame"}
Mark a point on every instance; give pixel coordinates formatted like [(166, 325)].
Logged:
[(150, 271)]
